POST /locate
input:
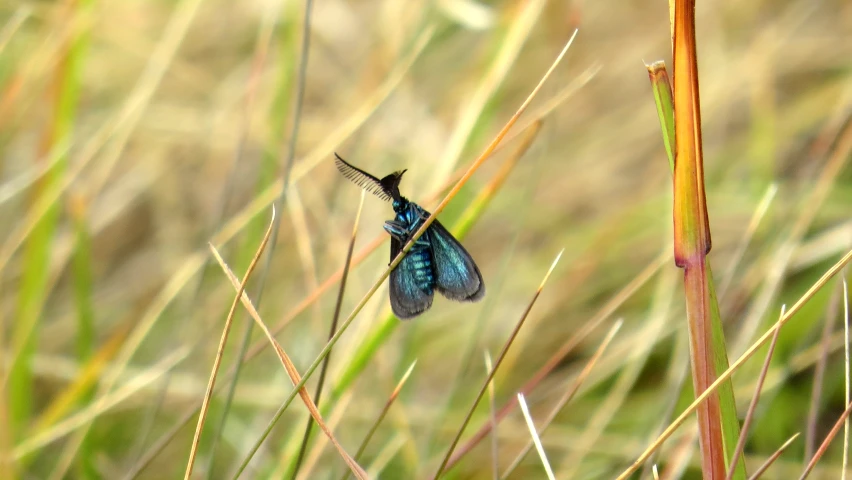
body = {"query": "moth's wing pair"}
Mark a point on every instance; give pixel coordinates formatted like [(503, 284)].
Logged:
[(407, 299), (456, 275)]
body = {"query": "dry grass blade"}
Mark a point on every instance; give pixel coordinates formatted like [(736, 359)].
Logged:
[(217, 362), (736, 365), (568, 394), (825, 443), (500, 358), (568, 347), (291, 369), (535, 438), (769, 461), (382, 414), (738, 451), (335, 318)]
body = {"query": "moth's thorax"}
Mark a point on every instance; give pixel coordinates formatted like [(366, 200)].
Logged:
[(400, 205)]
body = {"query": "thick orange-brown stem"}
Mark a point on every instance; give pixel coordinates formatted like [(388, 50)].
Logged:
[(692, 230), (692, 235)]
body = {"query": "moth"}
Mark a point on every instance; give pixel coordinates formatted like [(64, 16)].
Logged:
[(436, 261)]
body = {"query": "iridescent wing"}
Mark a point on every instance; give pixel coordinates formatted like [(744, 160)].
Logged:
[(456, 275)]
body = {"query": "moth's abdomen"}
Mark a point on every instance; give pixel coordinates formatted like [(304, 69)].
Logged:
[(423, 266)]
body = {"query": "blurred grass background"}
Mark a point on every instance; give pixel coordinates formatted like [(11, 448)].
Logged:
[(133, 133)]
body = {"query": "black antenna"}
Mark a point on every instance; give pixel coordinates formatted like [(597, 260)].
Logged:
[(387, 188)]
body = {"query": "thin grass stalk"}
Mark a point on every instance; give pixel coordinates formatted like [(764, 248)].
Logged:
[(332, 330), (588, 327), (819, 372), (262, 45), (497, 363), (158, 446), (292, 372), (278, 204), (736, 365), (492, 418), (373, 428), (385, 455), (675, 381), (83, 294), (205, 404), (754, 222), (846, 371), (290, 156), (402, 254), (679, 456), (826, 442), (147, 426), (769, 461), (567, 396), (338, 413), (535, 438), (662, 89), (738, 450)]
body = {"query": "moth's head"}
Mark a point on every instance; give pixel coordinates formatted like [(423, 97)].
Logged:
[(390, 184)]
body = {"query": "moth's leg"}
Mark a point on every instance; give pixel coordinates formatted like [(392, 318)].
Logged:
[(402, 233), (397, 230)]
